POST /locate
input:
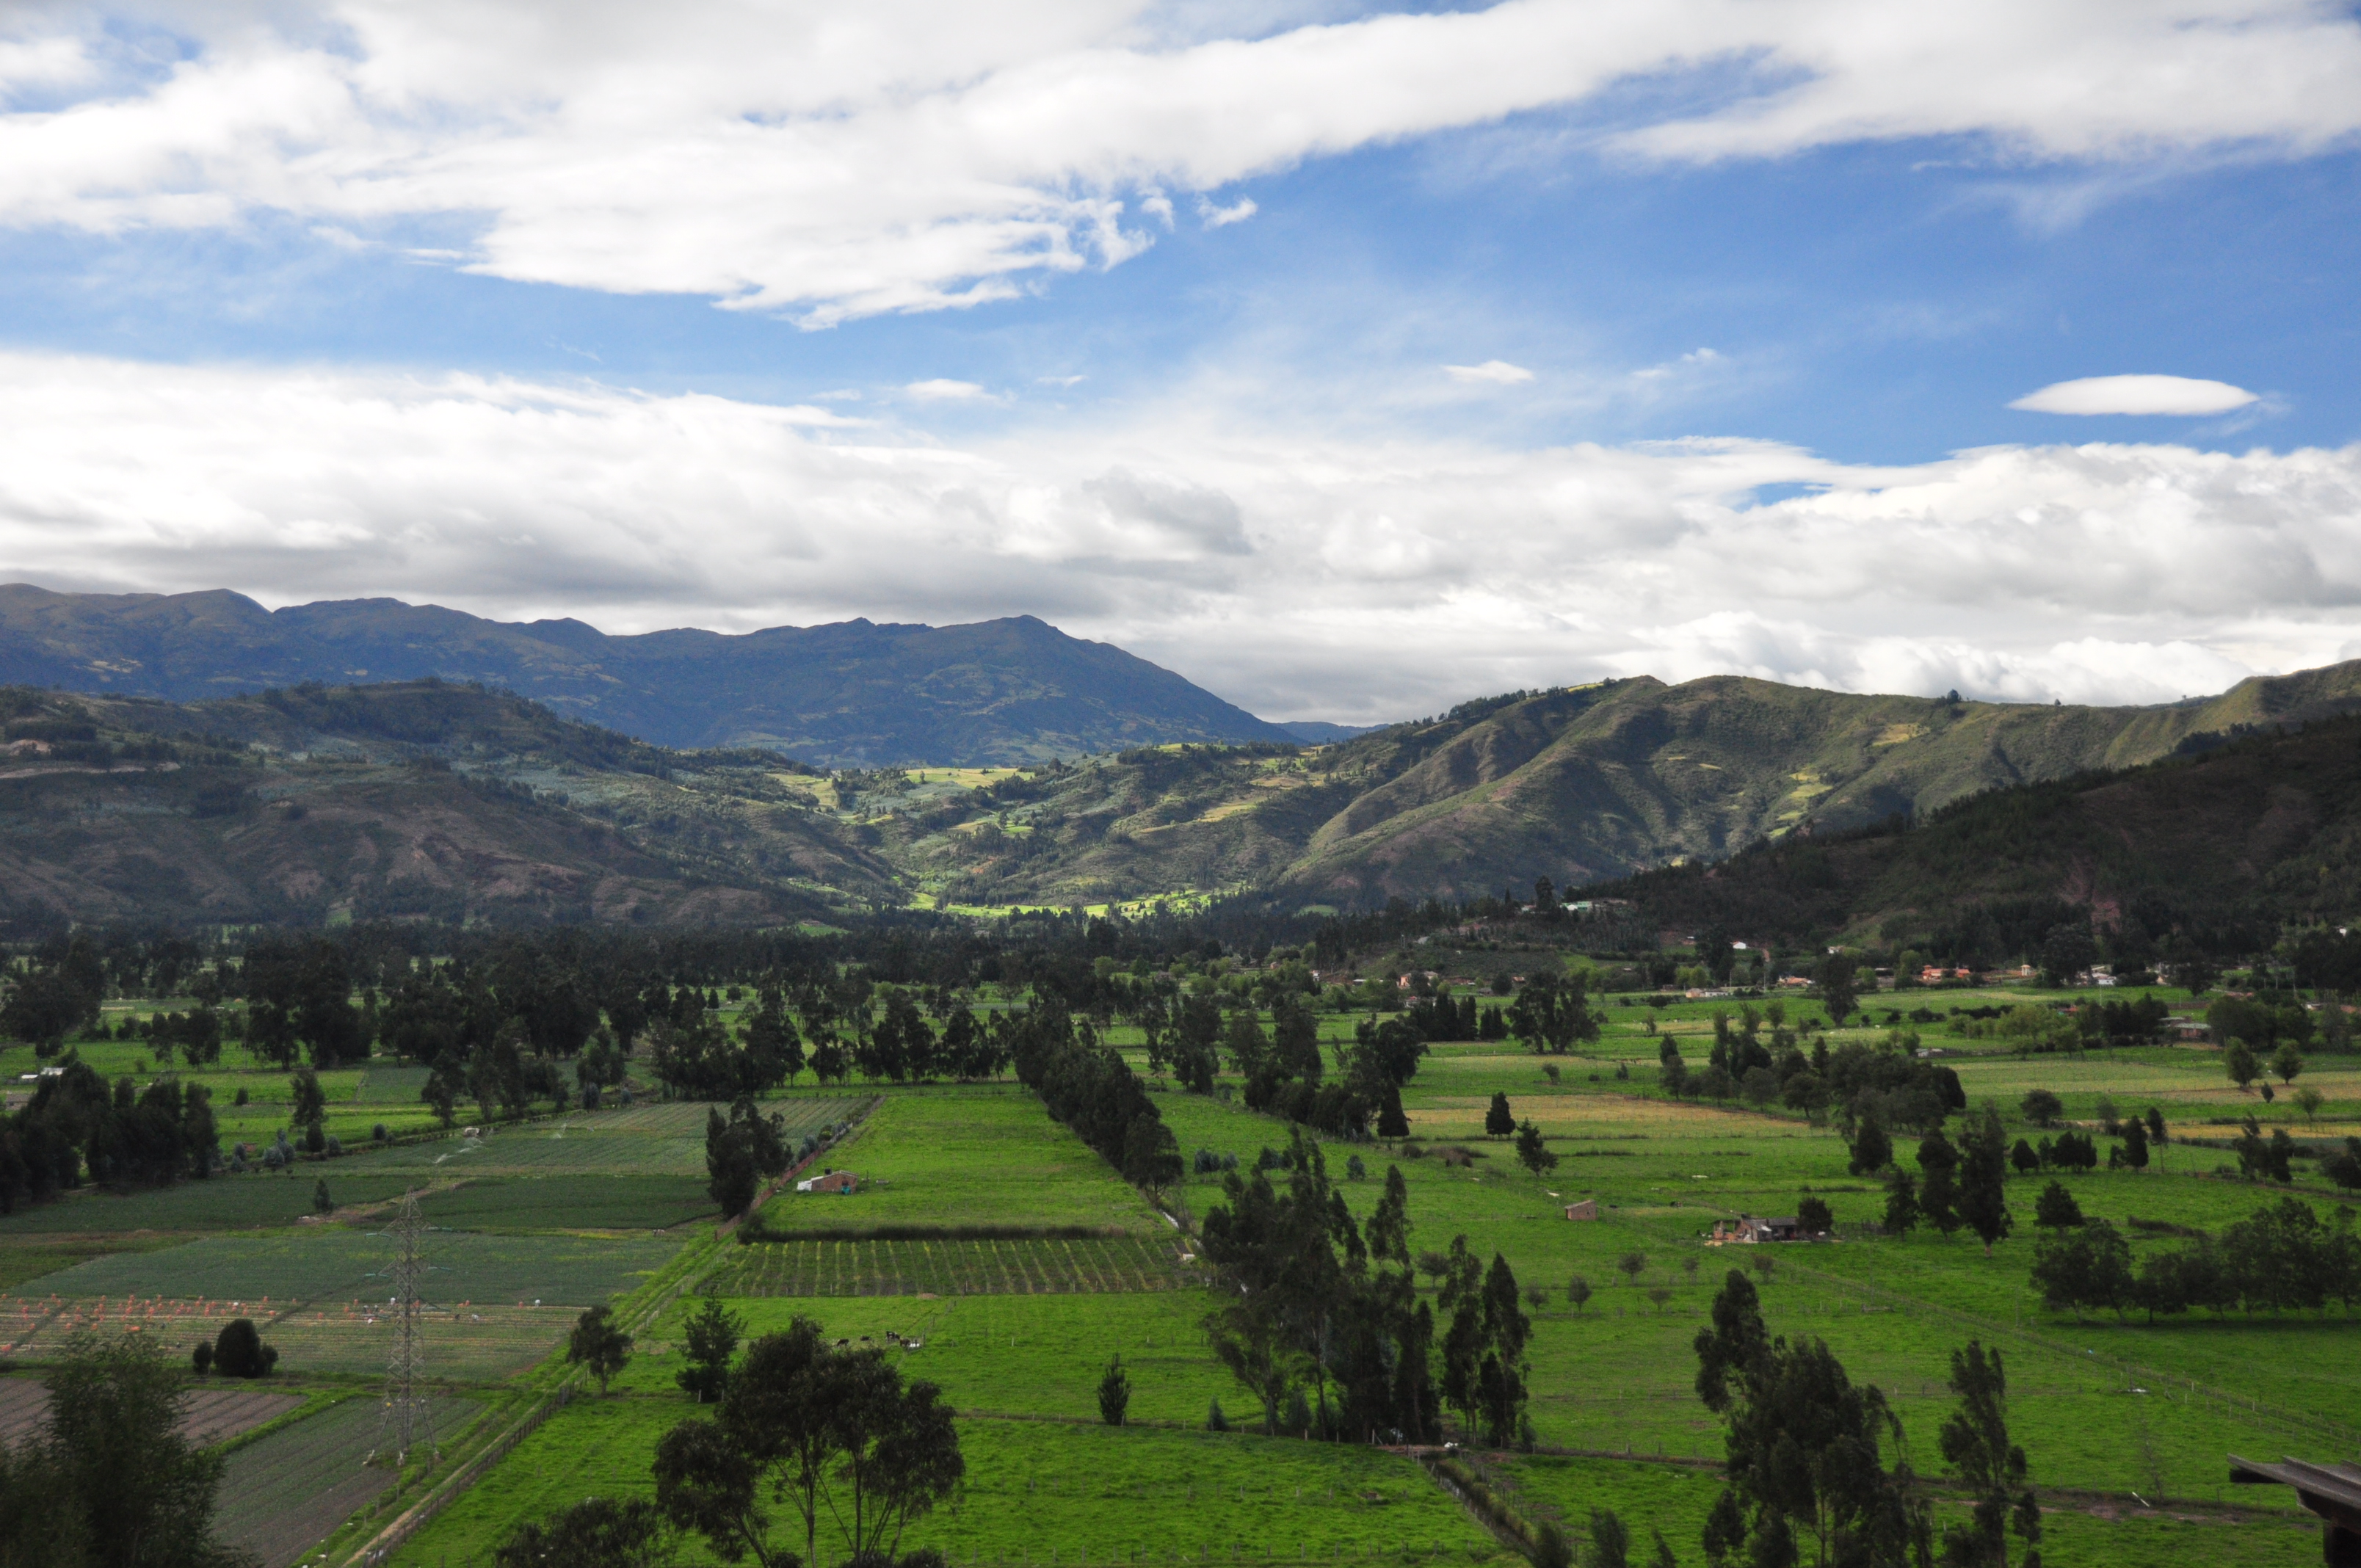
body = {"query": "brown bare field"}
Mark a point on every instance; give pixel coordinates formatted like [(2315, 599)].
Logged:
[(214, 1415)]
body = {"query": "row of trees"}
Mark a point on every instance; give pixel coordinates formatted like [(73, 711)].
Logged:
[(76, 1125), (1091, 1088), (1958, 1185), (2281, 1258)]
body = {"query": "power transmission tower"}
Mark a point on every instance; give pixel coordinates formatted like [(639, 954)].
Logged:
[(404, 1422)]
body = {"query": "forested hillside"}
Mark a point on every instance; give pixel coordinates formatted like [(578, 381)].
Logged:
[(2216, 851)]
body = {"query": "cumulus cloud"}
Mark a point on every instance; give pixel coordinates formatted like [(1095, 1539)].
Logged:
[(2135, 395), (913, 155), (1217, 217), (1491, 373), (942, 389), (1291, 570)]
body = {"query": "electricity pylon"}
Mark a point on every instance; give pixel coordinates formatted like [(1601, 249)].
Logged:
[(403, 1421)]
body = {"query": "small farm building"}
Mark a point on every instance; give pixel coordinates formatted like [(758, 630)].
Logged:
[(2333, 1491), (833, 1182), (1747, 1228), (1586, 1210)]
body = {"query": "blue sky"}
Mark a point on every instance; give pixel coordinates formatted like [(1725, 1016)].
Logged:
[(662, 330)]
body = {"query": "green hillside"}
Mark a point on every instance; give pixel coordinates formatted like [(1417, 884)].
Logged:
[(431, 799), (1577, 785)]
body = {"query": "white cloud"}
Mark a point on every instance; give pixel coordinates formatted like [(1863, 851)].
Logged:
[(1491, 373), (2135, 395), (1237, 212), (1291, 571), (943, 390), (916, 154)]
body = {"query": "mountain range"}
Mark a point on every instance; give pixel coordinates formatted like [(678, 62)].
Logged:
[(851, 695), (447, 801)]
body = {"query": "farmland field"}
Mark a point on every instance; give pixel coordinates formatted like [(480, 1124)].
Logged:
[(283, 1492), (1007, 1262), (920, 1155), (643, 1140), (950, 1268), (214, 1415), (339, 1264)]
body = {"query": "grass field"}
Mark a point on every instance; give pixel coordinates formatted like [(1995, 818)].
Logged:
[(978, 1155), (1027, 1356), (1083, 1491)]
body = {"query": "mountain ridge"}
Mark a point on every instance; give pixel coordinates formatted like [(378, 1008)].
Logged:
[(854, 693)]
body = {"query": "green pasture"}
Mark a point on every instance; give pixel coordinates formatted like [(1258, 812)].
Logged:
[(1034, 1488), (1674, 1499), (975, 1155), (1012, 1355)]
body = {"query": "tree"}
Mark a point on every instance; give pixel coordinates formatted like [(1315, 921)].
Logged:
[(1151, 1155), (111, 1480), (2086, 1266), (2022, 1156), (321, 1203), (741, 1152), (307, 1103), (1812, 1215), (238, 1350), (1531, 1152), (2055, 1209), (1974, 1439), (2287, 1061), (600, 1344), (1391, 1122), (2135, 1144), (1553, 1012), (1938, 1186), (1901, 1203), (1610, 1541), (2042, 1108), (1633, 1265), (597, 1533), (2308, 1101), (833, 1434), (1499, 1121), (1115, 1393), (1803, 1448), (1577, 1292), (711, 1337), (1983, 1177), (1836, 983), (1871, 1149), (1673, 1070), (2240, 1064), (2066, 952)]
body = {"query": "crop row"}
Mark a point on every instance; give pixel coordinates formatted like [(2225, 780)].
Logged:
[(951, 1267)]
